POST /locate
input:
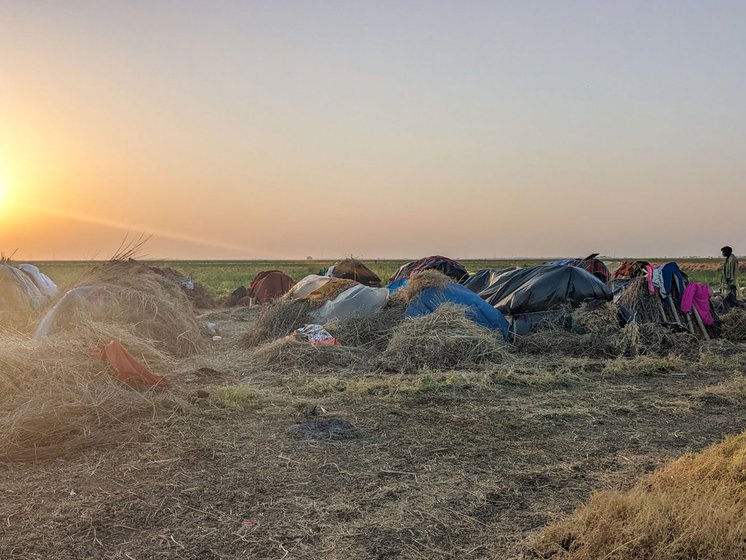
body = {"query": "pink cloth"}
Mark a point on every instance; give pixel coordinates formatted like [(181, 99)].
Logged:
[(650, 274), (698, 296)]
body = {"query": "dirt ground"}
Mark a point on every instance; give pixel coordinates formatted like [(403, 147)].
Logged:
[(339, 464)]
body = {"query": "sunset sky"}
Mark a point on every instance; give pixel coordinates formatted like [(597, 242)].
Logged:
[(379, 129)]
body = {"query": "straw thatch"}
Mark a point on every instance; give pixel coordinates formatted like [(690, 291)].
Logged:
[(277, 319), (600, 320), (55, 398), (292, 354), (147, 303), (637, 299), (442, 340), (559, 341), (692, 508)]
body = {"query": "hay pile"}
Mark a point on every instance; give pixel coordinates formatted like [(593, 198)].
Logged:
[(693, 508), (295, 355), (649, 339), (55, 398), (420, 282), (443, 340), (560, 341), (600, 320), (372, 332), (734, 325), (638, 300), (278, 319), (138, 300)]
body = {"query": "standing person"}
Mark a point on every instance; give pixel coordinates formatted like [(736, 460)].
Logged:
[(729, 280)]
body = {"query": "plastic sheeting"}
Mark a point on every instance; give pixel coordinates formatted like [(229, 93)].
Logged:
[(478, 310), (358, 301), (45, 284), (307, 285), (64, 311), (19, 289), (484, 278), (529, 294)]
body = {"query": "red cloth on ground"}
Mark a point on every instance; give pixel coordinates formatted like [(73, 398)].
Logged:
[(128, 369), (698, 296)]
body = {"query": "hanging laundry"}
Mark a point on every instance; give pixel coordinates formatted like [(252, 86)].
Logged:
[(698, 296)]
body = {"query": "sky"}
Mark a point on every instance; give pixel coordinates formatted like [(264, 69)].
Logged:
[(379, 129)]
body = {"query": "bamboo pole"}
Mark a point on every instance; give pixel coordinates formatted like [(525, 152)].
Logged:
[(701, 324)]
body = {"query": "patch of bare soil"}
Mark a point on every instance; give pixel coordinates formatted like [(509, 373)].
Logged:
[(272, 464)]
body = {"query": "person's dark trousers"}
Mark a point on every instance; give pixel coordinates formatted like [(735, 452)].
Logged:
[(731, 300)]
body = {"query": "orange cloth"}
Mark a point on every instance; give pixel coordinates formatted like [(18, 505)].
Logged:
[(128, 369)]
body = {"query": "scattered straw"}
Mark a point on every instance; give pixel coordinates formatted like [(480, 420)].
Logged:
[(373, 331), (734, 325), (290, 353), (442, 340), (597, 320), (649, 339), (692, 508), (277, 319)]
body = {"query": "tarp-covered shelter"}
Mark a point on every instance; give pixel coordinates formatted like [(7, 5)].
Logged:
[(353, 269), (269, 285), (307, 285), (484, 278), (530, 295), (590, 263), (478, 310), (449, 267)]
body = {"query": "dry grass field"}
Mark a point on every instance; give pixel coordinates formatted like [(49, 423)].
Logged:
[(264, 452)]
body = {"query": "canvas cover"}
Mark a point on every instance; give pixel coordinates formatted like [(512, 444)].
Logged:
[(92, 300), (269, 285), (352, 269), (484, 278), (593, 265), (357, 301), (478, 310), (328, 292)]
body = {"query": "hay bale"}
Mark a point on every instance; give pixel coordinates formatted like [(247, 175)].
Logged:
[(421, 281), (373, 331), (692, 508), (141, 300), (734, 325), (296, 355), (443, 340), (600, 320), (638, 300), (650, 339), (278, 319), (55, 398)]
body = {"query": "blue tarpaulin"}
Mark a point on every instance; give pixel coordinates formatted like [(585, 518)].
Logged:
[(478, 310)]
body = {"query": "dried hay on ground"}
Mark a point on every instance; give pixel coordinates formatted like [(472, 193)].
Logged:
[(650, 339), (373, 331), (278, 319), (560, 341), (421, 281), (141, 301), (601, 320), (734, 325), (637, 299), (55, 398), (692, 508), (442, 340), (295, 355)]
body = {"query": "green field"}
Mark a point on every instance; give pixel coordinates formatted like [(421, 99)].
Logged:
[(222, 277)]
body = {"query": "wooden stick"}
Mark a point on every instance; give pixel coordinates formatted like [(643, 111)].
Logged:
[(672, 303), (701, 324), (660, 307), (689, 320)]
